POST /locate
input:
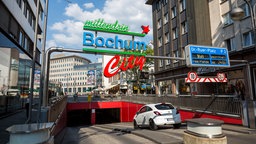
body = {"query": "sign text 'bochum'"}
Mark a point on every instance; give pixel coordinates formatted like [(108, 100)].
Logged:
[(115, 46), (206, 56)]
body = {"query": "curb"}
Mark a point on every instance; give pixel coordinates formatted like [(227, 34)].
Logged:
[(249, 131), (10, 114)]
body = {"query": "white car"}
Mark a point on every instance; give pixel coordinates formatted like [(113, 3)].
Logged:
[(155, 115)]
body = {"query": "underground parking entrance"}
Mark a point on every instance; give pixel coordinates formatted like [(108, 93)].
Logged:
[(102, 116)]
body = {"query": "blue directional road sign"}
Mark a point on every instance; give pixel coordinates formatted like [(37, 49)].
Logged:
[(206, 56)]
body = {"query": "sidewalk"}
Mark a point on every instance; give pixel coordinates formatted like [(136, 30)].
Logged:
[(238, 128), (18, 117)]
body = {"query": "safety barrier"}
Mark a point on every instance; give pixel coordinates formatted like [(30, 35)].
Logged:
[(228, 105), (57, 112)]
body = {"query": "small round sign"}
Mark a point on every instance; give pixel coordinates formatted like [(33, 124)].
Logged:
[(192, 76), (221, 76)]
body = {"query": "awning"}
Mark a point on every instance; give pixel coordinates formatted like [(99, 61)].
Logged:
[(107, 88), (123, 87), (98, 89)]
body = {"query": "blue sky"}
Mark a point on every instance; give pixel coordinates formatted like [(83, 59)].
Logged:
[(66, 18)]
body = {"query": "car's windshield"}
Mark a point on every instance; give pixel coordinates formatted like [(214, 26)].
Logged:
[(164, 106)]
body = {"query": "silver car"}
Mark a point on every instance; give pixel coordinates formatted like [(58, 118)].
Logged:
[(155, 115)]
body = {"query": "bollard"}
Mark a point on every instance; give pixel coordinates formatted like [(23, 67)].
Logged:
[(204, 130), (89, 98), (30, 133)]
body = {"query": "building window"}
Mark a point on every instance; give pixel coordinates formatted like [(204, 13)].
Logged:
[(161, 63), (248, 39), (41, 13), (246, 10), (84, 89), (175, 54), (158, 5), (165, 2), (25, 12), (30, 18), (159, 23), (174, 12), (184, 28), (227, 19), (25, 43), (160, 41), (19, 2), (175, 33), (230, 44), (166, 18), (168, 61), (182, 5), (166, 37), (21, 37)]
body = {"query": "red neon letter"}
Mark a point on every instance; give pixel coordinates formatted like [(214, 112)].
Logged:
[(140, 61), (125, 65), (114, 61)]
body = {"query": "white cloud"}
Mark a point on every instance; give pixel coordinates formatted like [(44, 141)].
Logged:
[(133, 13), (58, 26), (50, 43), (89, 5)]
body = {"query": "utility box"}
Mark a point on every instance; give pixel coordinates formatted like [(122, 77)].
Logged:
[(204, 130)]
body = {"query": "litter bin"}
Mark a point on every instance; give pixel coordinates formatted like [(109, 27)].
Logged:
[(204, 130)]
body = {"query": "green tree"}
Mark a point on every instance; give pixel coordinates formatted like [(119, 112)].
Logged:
[(133, 75)]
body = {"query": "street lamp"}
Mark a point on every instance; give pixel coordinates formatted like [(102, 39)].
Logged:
[(237, 14)]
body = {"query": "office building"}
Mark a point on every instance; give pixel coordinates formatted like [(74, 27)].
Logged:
[(17, 37), (177, 23), (75, 74)]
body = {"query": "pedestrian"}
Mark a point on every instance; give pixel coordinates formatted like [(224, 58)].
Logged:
[(27, 107), (75, 96)]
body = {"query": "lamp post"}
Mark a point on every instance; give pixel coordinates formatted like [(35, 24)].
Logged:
[(237, 14)]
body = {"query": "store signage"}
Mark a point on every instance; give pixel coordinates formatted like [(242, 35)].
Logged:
[(90, 40), (125, 64), (101, 25), (115, 45)]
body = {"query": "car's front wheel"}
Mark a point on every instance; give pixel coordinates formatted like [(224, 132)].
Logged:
[(135, 125), (152, 125)]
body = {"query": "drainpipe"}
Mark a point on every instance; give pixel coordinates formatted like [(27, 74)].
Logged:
[(43, 62), (33, 64)]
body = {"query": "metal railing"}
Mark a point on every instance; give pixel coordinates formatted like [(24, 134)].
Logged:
[(222, 104), (56, 113)]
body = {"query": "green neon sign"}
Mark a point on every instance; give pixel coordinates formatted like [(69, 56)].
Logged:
[(102, 26)]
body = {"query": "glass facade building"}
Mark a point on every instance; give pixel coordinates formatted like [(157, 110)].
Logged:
[(17, 36)]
